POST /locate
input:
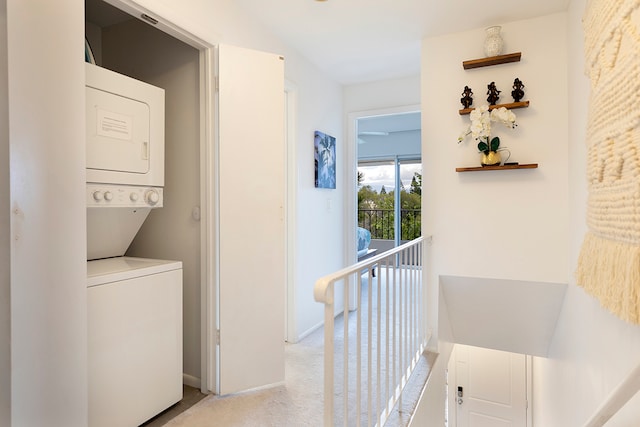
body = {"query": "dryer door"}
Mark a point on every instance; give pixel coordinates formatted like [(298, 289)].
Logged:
[(117, 133)]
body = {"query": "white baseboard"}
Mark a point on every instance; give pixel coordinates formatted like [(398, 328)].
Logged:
[(308, 332), (317, 326), (190, 380)]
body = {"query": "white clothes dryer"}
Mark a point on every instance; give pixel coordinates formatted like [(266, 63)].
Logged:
[(125, 129)]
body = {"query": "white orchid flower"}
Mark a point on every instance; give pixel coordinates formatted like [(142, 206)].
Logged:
[(481, 118)]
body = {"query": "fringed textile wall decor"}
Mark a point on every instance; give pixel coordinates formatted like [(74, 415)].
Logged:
[(609, 263)]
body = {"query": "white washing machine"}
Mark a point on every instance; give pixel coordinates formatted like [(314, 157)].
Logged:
[(135, 339), (134, 304)]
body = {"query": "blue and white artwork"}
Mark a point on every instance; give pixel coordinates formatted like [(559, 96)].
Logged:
[(325, 160)]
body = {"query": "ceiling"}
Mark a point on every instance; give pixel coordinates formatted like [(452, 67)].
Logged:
[(357, 41), (388, 124)]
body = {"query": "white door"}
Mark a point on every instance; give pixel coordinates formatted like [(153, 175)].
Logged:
[(490, 388), (251, 218)]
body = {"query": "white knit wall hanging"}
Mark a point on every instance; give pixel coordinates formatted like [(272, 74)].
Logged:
[(609, 263)]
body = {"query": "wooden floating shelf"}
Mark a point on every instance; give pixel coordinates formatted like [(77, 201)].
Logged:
[(498, 168), (512, 105), (492, 60)]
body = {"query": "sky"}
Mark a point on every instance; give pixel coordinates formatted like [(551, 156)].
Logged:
[(379, 175)]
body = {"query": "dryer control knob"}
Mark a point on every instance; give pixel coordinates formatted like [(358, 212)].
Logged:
[(133, 197), (97, 195), (108, 196), (152, 197)]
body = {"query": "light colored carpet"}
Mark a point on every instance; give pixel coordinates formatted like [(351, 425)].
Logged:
[(190, 396), (298, 402)]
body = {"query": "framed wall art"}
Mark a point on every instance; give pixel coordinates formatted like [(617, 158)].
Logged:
[(325, 160)]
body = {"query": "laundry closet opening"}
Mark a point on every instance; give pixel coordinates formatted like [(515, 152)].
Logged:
[(128, 46)]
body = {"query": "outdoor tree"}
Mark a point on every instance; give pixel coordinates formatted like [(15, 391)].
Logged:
[(367, 197), (416, 184), (376, 210)]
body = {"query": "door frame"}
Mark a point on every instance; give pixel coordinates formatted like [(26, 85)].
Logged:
[(208, 189), (290, 179), (351, 211)]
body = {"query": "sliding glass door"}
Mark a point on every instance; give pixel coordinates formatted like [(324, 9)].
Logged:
[(389, 200), (409, 209)]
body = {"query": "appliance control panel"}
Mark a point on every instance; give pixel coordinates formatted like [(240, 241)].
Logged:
[(128, 196)]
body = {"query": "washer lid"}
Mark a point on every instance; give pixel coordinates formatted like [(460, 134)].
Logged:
[(108, 270)]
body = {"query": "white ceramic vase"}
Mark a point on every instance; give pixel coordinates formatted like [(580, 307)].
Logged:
[(493, 43)]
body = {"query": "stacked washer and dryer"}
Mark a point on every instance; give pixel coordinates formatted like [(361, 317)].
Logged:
[(134, 304)]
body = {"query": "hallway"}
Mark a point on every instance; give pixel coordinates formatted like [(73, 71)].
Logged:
[(299, 401)]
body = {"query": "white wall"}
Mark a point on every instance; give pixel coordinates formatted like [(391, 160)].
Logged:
[(375, 97), (540, 214), (319, 231), (48, 237), (5, 248), (592, 350), (500, 224), (382, 94)]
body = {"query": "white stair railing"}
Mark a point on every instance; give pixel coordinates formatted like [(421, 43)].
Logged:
[(617, 399), (369, 359)]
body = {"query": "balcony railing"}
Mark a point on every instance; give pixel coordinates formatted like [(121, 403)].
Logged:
[(370, 353), (380, 222)]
